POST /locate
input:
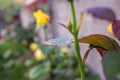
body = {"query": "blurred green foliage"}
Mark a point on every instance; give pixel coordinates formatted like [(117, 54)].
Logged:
[(17, 60), (11, 68), (5, 3), (110, 60)]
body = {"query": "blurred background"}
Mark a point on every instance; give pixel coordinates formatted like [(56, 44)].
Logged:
[(23, 57)]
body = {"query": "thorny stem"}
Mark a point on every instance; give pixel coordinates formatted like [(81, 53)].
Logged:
[(76, 43)]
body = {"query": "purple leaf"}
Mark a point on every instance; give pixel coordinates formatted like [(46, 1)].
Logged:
[(116, 29), (102, 13)]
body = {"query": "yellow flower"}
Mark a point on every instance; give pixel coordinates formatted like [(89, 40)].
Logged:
[(39, 55), (33, 46), (64, 51), (109, 28), (41, 17)]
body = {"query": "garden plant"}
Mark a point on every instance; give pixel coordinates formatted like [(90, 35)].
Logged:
[(107, 47), (58, 58)]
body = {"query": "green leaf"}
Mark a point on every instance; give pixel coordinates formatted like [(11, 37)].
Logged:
[(80, 21), (70, 26), (95, 77), (47, 49), (98, 40), (9, 45), (40, 71), (111, 65)]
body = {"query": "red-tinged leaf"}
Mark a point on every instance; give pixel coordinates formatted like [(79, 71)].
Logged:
[(43, 1), (98, 40), (86, 55), (116, 29), (63, 25), (101, 51), (1, 37), (22, 58), (102, 13), (16, 17), (32, 5)]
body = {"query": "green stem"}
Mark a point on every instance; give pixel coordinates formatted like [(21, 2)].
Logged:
[(79, 59), (73, 15), (76, 43)]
